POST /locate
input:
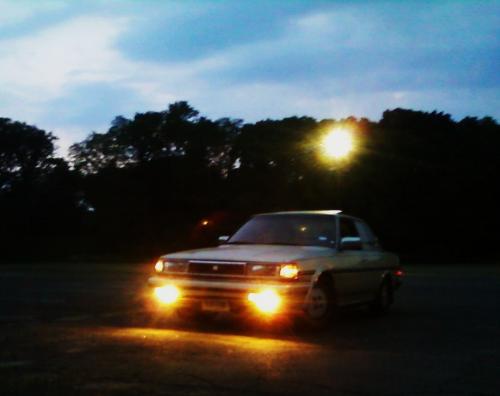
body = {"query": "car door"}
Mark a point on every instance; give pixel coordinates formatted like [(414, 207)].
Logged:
[(349, 277), (373, 260)]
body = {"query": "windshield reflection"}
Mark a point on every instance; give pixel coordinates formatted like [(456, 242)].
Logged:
[(296, 230)]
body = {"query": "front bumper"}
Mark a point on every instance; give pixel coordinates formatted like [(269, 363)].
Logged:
[(194, 292)]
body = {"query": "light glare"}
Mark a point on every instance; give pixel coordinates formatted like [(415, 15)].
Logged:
[(289, 271), (338, 144), (167, 294), (159, 266), (266, 301)]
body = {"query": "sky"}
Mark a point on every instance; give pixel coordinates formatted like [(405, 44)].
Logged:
[(71, 67)]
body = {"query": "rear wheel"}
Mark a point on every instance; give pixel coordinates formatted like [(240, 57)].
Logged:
[(385, 297)]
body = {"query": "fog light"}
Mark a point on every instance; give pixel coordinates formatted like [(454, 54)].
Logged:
[(267, 301), (167, 294)]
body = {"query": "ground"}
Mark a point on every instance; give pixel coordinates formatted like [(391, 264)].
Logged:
[(71, 329)]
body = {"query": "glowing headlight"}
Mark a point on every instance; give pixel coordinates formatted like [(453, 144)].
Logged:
[(267, 301), (167, 294), (289, 271), (171, 266), (159, 266)]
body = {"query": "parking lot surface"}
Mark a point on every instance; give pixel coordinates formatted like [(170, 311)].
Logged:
[(81, 329)]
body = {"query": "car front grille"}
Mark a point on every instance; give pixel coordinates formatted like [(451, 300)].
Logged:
[(216, 267)]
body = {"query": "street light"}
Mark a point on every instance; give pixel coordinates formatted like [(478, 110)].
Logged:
[(336, 148), (337, 144)]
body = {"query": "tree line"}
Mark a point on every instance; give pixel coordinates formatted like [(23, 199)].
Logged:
[(174, 179)]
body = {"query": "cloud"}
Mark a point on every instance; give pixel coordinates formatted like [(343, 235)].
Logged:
[(76, 51), (73, 72), (186, 31), (371, 51), (44, 66), (14, 12)]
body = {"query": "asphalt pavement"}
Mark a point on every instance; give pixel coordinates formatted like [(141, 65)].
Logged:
[(81, 329)]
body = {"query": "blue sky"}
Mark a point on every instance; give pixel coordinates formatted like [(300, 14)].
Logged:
[(70, 67)]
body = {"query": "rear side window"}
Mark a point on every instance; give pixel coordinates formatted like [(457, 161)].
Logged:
[(368, 238), (350, 237), (348, 229)]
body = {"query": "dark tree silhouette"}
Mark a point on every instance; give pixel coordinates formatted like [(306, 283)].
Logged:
[(38, 204), (26, 153), (174, 179)]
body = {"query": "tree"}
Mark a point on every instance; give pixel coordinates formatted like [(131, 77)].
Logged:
[(26, 153), (37, 193), (152, 171), (423, 181), (177, 132)]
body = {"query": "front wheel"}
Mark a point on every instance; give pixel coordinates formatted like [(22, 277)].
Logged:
[(321, 304)]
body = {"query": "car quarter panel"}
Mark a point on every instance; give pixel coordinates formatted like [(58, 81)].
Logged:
[(339, 267), (356, 274)]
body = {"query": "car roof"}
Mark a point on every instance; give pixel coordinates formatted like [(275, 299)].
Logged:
[(304, 212)]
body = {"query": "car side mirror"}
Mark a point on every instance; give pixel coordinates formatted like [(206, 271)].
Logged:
[(351, 243), (223, 238)]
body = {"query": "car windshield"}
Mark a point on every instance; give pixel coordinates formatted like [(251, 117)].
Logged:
[(301, 230)]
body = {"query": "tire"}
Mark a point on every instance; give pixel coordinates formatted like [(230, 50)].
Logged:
[(384, 298), (322, 305)]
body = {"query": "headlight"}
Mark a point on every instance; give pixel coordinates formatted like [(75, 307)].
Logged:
[(159, 266), (289, 271), (170, 266)]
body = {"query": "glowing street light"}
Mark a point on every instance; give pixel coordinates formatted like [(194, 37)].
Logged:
[(335, 149), (337, 144)]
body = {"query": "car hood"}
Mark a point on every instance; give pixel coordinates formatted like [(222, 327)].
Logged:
[(266, 253)]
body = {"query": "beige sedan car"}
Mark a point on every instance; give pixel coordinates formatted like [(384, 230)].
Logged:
[(283, 263)]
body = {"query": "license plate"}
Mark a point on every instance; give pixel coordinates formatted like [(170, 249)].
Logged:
[(215, 305)]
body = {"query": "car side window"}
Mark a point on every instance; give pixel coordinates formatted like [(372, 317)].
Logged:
[(350, 237), (369, 239)]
